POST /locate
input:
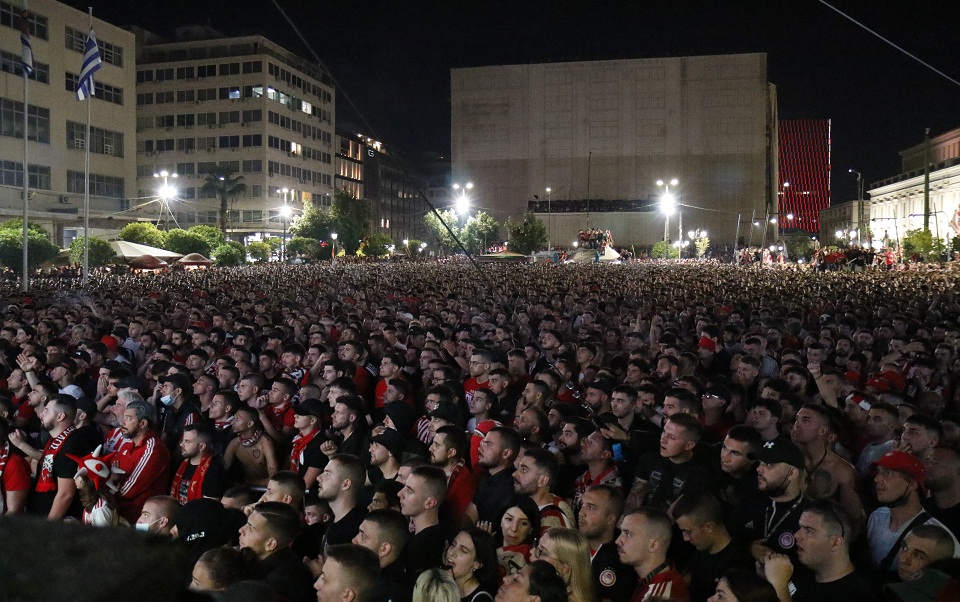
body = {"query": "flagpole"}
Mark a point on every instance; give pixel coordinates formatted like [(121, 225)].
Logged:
[(25, 278), (86, 181)]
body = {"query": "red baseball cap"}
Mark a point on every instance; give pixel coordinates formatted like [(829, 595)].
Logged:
[(906, 463)]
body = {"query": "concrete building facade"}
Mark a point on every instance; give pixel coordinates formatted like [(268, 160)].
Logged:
[(57, 121), (608, 130), (244, 104)]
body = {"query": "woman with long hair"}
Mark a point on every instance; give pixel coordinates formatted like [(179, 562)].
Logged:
[(472, 558), (743, 586), (518, 531), (569, 552)]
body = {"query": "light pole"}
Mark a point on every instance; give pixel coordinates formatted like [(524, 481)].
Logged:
[(667, 206), (285, 215), (462, 202), (406, 246), (549, 216), (333, 248), (167, 191), (859, 201)]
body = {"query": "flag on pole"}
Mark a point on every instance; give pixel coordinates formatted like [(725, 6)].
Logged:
[(91, 63), (27, 51)]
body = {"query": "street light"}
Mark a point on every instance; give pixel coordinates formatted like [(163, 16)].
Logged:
[(463, 203), (285, 214), (549, 192), (667, 205), (406, 246), (166, 191), (333, 247)]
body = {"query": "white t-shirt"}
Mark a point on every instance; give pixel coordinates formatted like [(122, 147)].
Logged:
[(881, 538)]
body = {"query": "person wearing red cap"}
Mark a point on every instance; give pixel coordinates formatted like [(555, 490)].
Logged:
[(899, 483)]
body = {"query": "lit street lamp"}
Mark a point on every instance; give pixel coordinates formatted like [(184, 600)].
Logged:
[(667, 205), (166, 192), (549, 192), (333, 247), (463, 203), (285, 214)]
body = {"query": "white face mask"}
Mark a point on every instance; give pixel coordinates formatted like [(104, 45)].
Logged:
[(166, 400), (145, 527)]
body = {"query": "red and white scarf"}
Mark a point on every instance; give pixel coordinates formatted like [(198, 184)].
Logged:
[(300, 443), (47, 482)]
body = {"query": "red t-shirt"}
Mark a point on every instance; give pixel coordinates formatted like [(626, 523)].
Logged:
[(16, 474), (281, 416), (668, 584), (460, 489)]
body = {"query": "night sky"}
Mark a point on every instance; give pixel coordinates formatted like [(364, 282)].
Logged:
[(392, 59)]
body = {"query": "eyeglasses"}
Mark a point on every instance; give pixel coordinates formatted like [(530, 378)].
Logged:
[(539, 553)]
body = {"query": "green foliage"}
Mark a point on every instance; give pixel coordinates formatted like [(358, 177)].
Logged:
[(100, 252), (414, 246), (528, 235), (229, 255), (376, 245), (213, 236), (800, 244), (259, 251), (441, 237), (301, 246), (17, 224), (955, 244), (480, 232), (314, 223), (143, 233), (664, 250), (701, 244), (39, 249), (184, 242), (350, 220), (224, 185), (923, 243)]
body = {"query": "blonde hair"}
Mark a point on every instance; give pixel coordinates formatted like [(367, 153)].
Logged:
[(572, 549), (436, 585)]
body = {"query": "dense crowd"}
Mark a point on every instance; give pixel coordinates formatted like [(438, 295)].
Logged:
[(425, 431)]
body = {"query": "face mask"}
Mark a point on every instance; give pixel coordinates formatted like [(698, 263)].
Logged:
[(145, 527), (166, 400)]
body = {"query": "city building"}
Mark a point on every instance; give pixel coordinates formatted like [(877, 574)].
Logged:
[(896, 204), (609, 130), (244, 105), (57, 121), (804, 173), (844, 224)]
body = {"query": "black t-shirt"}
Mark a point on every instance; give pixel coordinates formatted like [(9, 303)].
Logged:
[(313, 457), (494, 495), (668, 481), (392, 586), (424, 551), (775, 525), (852, 587), (612, 580), (950, 517), (215, 482), (706, 569), (77, 444), (345, 529)]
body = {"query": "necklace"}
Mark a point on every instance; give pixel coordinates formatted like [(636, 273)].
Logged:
[(814, 469)]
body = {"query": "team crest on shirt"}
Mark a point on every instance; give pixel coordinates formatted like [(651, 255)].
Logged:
[(787, 540), (608, 578)]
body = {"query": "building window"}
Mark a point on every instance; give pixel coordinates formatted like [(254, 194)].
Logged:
[(229, 141), (230, 69), (207, 94), (252, 66), (185, 72), (186, 169), (100, 185), (186, 95), (164, 97), (253, 140), (105, 142), (186, 144), (11, 121), (11, 174), (36, 24), (145, 98), (102, 91), (253, 166), (206, 71), (74, 39), (186, 119), (252, 115), (232, 93), (13, 63)]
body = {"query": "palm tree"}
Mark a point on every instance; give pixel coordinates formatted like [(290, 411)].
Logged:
[(225, 185)]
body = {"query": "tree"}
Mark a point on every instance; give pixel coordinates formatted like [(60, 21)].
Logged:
[(183, 242), (276, 245), (259, 251), (223, 184), (375, 245), (528, 235), (800, 244), (301, 246), (414, 247), (664, 250), (17, 224), (143, 233), (922, 242), (701, 243), (441, 237), (480, 232), (39, 248), (314, 223), (100, 252), (351, 221), (213, 236), (229, 255)]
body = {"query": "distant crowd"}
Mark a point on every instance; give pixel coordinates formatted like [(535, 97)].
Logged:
[(520, 433)]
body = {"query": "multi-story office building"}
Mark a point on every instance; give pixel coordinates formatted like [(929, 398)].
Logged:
[(57, 121), (608, 130), (243, 104), (804, 173)]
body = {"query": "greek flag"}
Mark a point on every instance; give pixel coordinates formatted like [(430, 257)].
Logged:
[(27, 52), (91, 63)]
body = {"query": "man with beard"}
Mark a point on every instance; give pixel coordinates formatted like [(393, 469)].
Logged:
[(597, 521), (201, 474), (780, 477), (447, 451), (498, 450), (340, 485), (146, 462), (535, 473), (253, 450), (348, 420)]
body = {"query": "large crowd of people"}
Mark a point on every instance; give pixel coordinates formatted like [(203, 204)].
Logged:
[(443, 431)]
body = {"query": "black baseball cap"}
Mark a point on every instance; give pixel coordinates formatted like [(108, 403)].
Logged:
[(779, 451)]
